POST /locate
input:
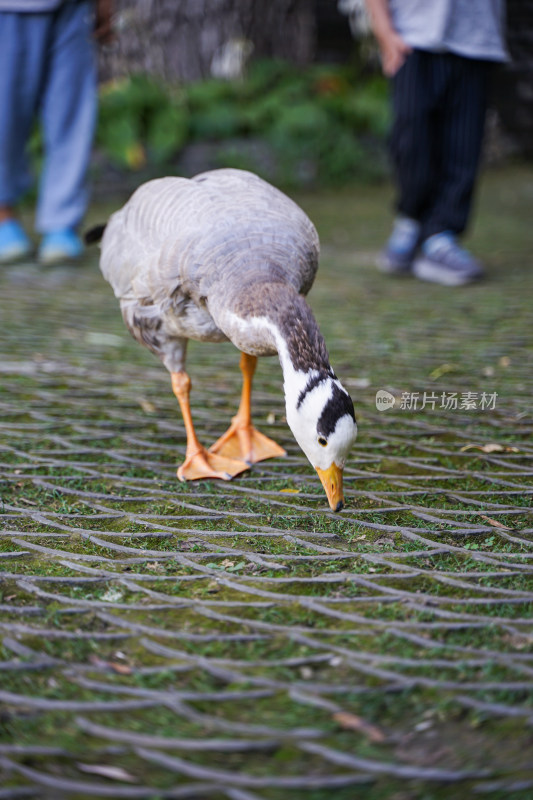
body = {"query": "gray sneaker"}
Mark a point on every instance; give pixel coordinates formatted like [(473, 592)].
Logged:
[(443, 261), (398, 255)]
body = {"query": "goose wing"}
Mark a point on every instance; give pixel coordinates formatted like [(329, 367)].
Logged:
[(177, 236)]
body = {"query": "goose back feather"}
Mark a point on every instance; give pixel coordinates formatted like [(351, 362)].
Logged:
[(189, 258)]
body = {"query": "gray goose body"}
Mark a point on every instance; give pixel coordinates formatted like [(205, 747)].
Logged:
[(191, 259), (226, 256)]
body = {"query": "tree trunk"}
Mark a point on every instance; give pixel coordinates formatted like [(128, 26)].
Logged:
[(178, 39)]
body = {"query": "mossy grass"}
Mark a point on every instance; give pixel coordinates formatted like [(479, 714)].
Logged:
[(113, 571)]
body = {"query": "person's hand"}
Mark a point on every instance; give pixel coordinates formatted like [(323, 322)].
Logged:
[(394, 51), (103, 29)]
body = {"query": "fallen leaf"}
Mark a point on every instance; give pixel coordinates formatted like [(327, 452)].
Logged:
[(147, 406), (505, 361), (438, 372), (28, 502), (490, 448), (271, 418), (518, 641), (495, 523), (155, 566), (351, 722), (228, 563), (96, 661), (290, 491), (107, 771), (135, 156), (10, 597), (122, 669)]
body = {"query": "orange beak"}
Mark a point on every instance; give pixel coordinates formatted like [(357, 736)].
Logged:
[(331, 480)]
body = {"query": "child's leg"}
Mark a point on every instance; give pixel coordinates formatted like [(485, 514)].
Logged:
[(68, 117), (412, 148), (461, 123), (22, 45), (412, 140)]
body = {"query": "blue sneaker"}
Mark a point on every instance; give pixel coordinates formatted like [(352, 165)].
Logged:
[(398, 255), (60, 246), (443, 261), (14, 244)]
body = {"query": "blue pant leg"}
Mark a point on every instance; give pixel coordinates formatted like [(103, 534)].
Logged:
[(23, 44), (68, 114)]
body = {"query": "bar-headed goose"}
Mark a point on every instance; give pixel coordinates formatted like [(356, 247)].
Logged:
[(226, 256)]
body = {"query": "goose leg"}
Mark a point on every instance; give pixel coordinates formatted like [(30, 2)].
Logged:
[(199, 463), (242, 440)]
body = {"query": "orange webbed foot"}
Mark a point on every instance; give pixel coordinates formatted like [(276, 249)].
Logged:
[(244, 442), (203, 464)]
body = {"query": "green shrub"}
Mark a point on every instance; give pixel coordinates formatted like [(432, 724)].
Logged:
[(140, 119), (316, 121)]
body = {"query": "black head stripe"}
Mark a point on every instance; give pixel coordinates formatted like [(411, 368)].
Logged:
[(312, 383), (339, 404)]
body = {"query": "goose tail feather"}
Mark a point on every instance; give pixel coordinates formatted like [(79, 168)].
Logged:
[(94, 235)]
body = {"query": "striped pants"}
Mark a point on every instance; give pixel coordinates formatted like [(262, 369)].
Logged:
[(439, 103)]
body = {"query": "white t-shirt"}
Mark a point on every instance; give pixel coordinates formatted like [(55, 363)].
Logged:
[(471, 28), (29, 6)]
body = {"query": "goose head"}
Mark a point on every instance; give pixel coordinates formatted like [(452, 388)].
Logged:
[(321, 417)]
